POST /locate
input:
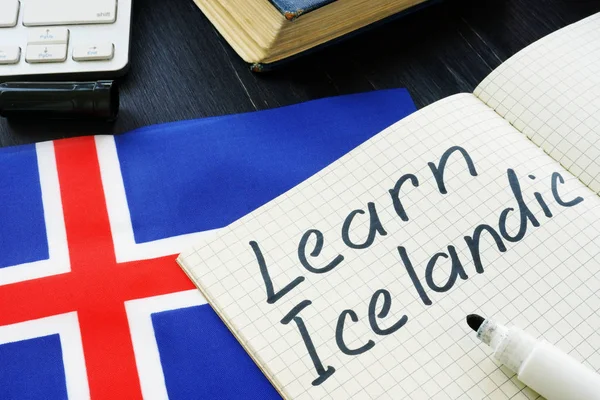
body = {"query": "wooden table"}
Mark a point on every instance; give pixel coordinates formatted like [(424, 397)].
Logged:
[(181, 68)]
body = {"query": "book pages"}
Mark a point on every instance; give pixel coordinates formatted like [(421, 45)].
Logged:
[(356, 283), (550, 91)]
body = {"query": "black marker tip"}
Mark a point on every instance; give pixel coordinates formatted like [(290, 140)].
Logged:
[(475, 321)]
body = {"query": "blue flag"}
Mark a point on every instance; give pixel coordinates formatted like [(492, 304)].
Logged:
[(92, 304)]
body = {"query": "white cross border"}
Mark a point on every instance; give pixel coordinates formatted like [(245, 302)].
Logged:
[(58, 249), (145, 347), (67, 327), (126, 249)]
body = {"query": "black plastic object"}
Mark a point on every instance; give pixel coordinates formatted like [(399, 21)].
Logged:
[(474, 321), (60, 100)]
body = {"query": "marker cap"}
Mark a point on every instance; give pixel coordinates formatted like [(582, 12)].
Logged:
[(60, 100)]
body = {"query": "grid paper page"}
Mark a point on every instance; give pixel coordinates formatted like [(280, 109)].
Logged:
[(546, 283), (550, 91)]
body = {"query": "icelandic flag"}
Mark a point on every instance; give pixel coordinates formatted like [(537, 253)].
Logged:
[(92, 303)]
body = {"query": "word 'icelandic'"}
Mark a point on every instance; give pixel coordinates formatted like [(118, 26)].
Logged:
[(381, 301)]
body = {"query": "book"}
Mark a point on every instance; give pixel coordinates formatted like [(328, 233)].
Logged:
[(265, 32), (356, 282)]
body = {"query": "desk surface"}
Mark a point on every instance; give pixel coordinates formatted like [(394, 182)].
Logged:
[(181, 68)]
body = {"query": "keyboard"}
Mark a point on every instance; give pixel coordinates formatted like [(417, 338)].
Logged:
[(48, 39)]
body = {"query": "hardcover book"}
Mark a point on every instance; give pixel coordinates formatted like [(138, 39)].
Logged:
[(356, 283), (266, 32)]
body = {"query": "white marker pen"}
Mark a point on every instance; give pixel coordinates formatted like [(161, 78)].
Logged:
[(541, 366)]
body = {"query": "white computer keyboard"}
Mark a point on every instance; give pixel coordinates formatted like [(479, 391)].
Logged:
[(46, 38)]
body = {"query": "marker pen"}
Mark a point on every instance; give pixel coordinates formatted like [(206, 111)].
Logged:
[(541, 366), (59, 100)]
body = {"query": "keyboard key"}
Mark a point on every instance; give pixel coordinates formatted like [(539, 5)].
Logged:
[(10, 54), (39, 53), (69, 12), (94, 52), (48, 36), (9, 11)]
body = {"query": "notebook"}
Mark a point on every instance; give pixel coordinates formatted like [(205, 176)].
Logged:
[(356, 283), (266, 32)]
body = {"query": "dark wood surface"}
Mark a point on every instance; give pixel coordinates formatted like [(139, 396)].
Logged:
[(181, 68)]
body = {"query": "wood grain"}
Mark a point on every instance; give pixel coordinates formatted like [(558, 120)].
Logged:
[(181, 68)]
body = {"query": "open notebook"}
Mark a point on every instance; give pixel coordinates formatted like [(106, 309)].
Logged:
[(356, 283)]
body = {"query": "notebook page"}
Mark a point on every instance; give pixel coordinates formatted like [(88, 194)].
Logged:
[(550, 91), (545, 282)]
